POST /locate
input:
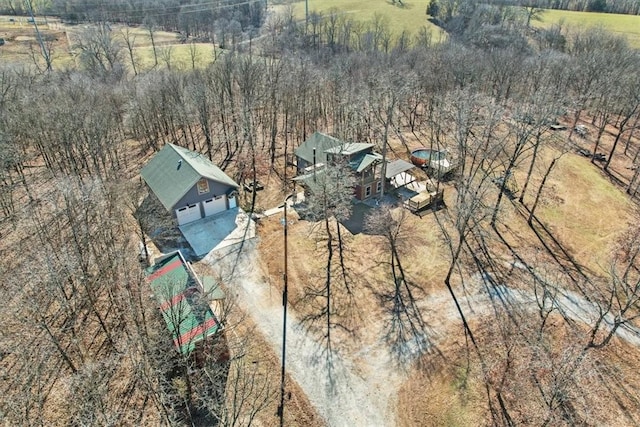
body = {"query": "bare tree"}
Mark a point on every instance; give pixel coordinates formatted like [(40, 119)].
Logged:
[(329, 201), (617, 304)]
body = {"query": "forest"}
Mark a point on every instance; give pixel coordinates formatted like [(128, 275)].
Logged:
[(82, 342)]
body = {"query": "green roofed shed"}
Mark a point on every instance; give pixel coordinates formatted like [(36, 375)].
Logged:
[(183, 305)]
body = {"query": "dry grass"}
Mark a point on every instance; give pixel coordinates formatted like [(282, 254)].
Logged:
[(436, 399), (585, 210), (578, 209), (22, 46)]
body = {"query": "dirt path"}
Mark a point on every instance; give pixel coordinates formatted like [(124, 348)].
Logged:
[(362, 395), (366, 394), (570, 304)]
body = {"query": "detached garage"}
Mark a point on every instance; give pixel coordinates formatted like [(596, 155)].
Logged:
[(188, 185)]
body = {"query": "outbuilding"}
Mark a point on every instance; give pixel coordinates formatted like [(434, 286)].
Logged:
[(188, 184)]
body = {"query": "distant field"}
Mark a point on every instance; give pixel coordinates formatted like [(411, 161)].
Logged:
[(411, 16), (21, 45), (628, 25)]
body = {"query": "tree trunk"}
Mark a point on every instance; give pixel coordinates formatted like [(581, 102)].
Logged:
[(544, 180)]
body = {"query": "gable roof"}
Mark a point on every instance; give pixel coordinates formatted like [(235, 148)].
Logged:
[(174, 170), (321, 142), (363, 162), (350, 148), (396, 167), (184, 309)]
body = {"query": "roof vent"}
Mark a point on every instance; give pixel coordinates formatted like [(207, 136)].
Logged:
[(179, 163)]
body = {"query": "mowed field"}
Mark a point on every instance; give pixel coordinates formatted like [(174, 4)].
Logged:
[(627, 25), (21, 45), (410, 16)]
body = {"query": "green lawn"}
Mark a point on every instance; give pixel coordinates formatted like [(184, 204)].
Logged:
[(179, 56), (628, 25), (411, 16)]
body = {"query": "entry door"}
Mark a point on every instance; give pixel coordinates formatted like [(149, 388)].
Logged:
[(232, 202), (215, 205), (188, 214)]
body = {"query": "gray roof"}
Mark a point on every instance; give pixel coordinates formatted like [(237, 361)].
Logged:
[(321, 142), (397, 167), (367, 160), (174, 170), (349, 148)]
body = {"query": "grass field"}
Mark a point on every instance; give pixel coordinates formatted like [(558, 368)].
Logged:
[(627, 25), (589, 211), (410, 17), (22, 47)]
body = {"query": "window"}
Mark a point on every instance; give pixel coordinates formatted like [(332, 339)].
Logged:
[(367, 191), (203, 186), (378, 186)]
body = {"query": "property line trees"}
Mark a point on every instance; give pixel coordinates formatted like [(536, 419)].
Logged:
[(100, 50), (543, 89), (592, 52), (630, 107)]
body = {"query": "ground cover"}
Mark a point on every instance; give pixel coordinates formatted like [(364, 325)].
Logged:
[(410, 16), (627, 25), (586, 211)]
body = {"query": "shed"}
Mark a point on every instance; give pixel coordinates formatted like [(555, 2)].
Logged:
[(182, 302)]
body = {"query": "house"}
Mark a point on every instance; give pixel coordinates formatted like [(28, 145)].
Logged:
[(365, 163), (313, 151), (188, 185), (183, 303)]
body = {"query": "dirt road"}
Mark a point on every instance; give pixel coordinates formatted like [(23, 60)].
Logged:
[(342, 394), (346, 395)]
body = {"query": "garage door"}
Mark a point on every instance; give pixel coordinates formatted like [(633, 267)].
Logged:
[(188, 214), (215, 205)]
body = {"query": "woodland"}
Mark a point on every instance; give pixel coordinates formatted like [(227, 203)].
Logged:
[(81, 340)]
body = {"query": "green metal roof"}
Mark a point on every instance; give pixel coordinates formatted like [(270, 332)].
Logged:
[(174, 170), (321, 142), (184, 308), (349, 148)]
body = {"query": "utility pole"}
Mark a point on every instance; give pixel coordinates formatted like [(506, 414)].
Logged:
[(284, 319), (306, 13)]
